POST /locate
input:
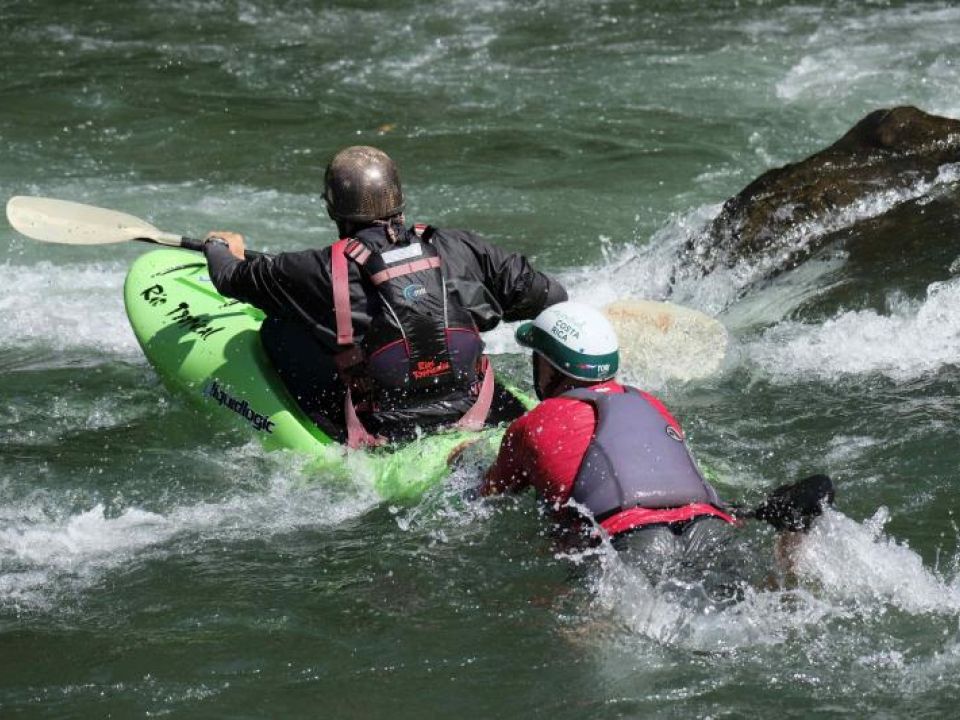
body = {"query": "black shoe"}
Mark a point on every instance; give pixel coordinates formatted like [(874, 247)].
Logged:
[(795, 505)]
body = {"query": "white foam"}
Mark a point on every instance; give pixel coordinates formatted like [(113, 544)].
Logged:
[(629, 272), (678, 615), (643, 271), (833, 71), (66, 307), (844, 448), (879, 59), (912, 340), (85, 537), (46, 552), (42, 557), (846, 569), (857, 564), (650, 357)]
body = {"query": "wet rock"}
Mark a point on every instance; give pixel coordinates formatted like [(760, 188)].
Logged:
[(900, 253), (890, 157)]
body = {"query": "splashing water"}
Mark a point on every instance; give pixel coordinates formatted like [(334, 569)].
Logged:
[(846, 569), (914, 339), (48, 549), (857, 565)]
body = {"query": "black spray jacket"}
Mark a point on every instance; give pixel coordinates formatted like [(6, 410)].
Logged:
[(490, 283)]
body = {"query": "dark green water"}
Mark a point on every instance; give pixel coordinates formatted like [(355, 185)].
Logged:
[(151, 566)]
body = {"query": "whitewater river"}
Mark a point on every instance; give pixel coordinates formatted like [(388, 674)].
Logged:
[(152, 565)]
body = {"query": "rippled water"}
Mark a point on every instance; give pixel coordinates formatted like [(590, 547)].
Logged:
[(150, 565)]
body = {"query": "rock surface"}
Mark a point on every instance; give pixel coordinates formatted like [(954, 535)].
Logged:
[(890, 156)]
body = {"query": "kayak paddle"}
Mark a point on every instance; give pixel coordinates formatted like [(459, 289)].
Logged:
[(664, 340), (70, 223), (659, 337)]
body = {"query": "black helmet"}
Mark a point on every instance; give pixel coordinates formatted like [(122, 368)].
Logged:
[(362, 185)]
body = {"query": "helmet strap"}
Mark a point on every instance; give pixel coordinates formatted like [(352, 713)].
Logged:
[(392, 228)]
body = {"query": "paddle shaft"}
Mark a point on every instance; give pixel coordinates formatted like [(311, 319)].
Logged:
[(197, 245)]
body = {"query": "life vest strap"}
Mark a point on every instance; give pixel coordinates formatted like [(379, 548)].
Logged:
[(422, 231), (406, 269), (341, 292), (357, 435), (349, 359), (476, 417), (357, 251)]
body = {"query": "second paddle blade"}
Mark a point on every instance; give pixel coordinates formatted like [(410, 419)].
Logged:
[(660, 339)]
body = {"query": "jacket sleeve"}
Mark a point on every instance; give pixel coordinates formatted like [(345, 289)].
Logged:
[(516, 289), (252, 281), (294, 285)]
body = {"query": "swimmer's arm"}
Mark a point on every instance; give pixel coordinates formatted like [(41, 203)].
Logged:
[(510, 471)]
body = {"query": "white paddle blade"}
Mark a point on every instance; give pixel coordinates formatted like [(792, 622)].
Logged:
[(70, 223), (662, 340)]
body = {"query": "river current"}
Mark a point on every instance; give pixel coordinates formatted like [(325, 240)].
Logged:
[(152, 564)]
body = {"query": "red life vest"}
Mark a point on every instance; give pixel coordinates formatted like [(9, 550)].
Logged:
[(419, 342)]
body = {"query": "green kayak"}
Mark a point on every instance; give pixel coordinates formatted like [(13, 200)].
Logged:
[(207, 348)]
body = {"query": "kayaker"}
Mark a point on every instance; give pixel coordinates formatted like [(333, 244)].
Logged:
[(378, 335), (595, 448)]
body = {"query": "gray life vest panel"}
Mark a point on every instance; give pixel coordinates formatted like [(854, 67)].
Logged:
[(635, 458)]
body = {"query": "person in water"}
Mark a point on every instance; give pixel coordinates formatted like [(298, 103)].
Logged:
[(597, 449), (378, 335)]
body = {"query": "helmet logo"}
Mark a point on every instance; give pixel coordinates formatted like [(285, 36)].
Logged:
[(576, 339), (414, 292), (601, 368), (565, 331)]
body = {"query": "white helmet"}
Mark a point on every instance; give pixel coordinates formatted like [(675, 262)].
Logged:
[(576, 339)]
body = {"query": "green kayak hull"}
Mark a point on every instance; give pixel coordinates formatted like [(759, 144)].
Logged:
[(207, 348)]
